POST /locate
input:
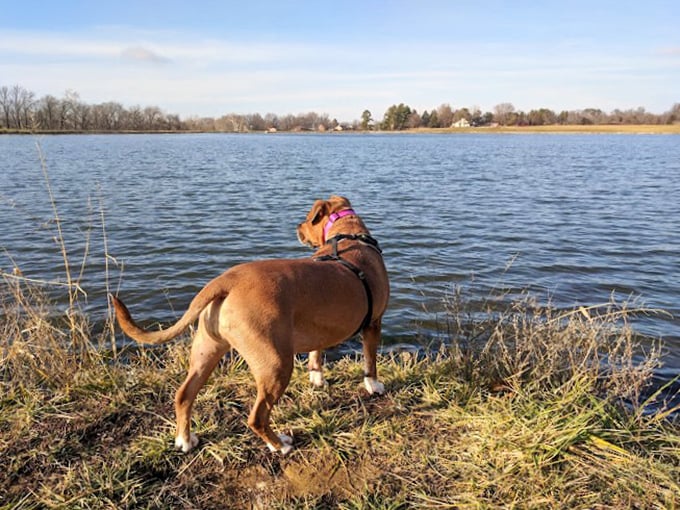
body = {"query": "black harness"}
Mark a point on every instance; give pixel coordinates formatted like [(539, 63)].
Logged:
[(334, 256)]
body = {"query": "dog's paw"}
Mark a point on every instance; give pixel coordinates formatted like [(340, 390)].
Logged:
[(186, 446), (317, 379), (285, 439), (373, 386), (286, 445)]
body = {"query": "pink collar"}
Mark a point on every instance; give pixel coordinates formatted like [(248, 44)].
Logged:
[(335, 217)]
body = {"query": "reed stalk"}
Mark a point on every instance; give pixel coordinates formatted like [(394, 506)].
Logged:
[(72, 284)]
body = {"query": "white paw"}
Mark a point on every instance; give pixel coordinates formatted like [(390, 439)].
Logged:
[(185, 446), (374, 386), (317, 379), (287, 445)]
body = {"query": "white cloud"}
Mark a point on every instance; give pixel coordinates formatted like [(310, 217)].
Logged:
[(141, 54)]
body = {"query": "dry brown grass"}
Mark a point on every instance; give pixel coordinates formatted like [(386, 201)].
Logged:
[(659, 129), (521, 410)]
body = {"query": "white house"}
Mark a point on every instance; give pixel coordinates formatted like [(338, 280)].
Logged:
[(462, 123)]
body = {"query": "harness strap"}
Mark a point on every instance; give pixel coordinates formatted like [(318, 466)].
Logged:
[(365, 238), (369, 296)]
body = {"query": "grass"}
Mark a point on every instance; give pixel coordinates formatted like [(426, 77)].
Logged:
[(525, 408), (520, 411)]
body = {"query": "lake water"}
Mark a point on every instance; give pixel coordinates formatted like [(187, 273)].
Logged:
[(571, 218)]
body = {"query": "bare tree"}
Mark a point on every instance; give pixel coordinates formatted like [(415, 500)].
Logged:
[(5, 106), (271, 121), (504, 113), (174, 123), (82, 114), (21, 103), (255, 122), (47, 112), (413, 120), (231, 123), (135, 119), (112, 115), (445, 115), (672, 116), (153, 118)]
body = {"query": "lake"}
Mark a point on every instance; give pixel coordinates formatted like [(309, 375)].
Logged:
[(573, 219)]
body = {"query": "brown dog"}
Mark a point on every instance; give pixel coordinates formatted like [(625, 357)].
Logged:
[(270, 310)]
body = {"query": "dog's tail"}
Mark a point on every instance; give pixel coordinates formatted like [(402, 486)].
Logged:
[(217, 288)]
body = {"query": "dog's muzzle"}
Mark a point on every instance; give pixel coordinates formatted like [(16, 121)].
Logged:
[(303, 240)]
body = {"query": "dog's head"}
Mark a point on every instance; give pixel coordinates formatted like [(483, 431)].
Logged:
[(311, 231)]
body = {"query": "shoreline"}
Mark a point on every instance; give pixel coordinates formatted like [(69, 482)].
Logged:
[(633, 129)]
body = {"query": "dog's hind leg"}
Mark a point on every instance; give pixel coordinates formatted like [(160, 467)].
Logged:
[(371, 340), (206, 352), (271, 379), (315, 367)]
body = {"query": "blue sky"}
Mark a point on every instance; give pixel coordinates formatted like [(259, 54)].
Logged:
[(342, 57)]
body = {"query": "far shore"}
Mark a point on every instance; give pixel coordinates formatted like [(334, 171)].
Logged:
[(551, 129), (559, 128)]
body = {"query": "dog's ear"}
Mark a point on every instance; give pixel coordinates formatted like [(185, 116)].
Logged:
[(338, 203), (319, 210)]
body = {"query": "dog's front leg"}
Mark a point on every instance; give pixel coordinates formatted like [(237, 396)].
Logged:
[(371, 340), (315, 367)]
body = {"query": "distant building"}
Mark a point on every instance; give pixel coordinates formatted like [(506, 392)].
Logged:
[(462, 123)]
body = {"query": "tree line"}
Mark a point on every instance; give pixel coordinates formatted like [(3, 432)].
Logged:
[(21, 109), (401, 116)]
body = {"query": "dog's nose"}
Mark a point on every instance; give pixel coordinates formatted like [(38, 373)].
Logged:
[(300, 237)]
